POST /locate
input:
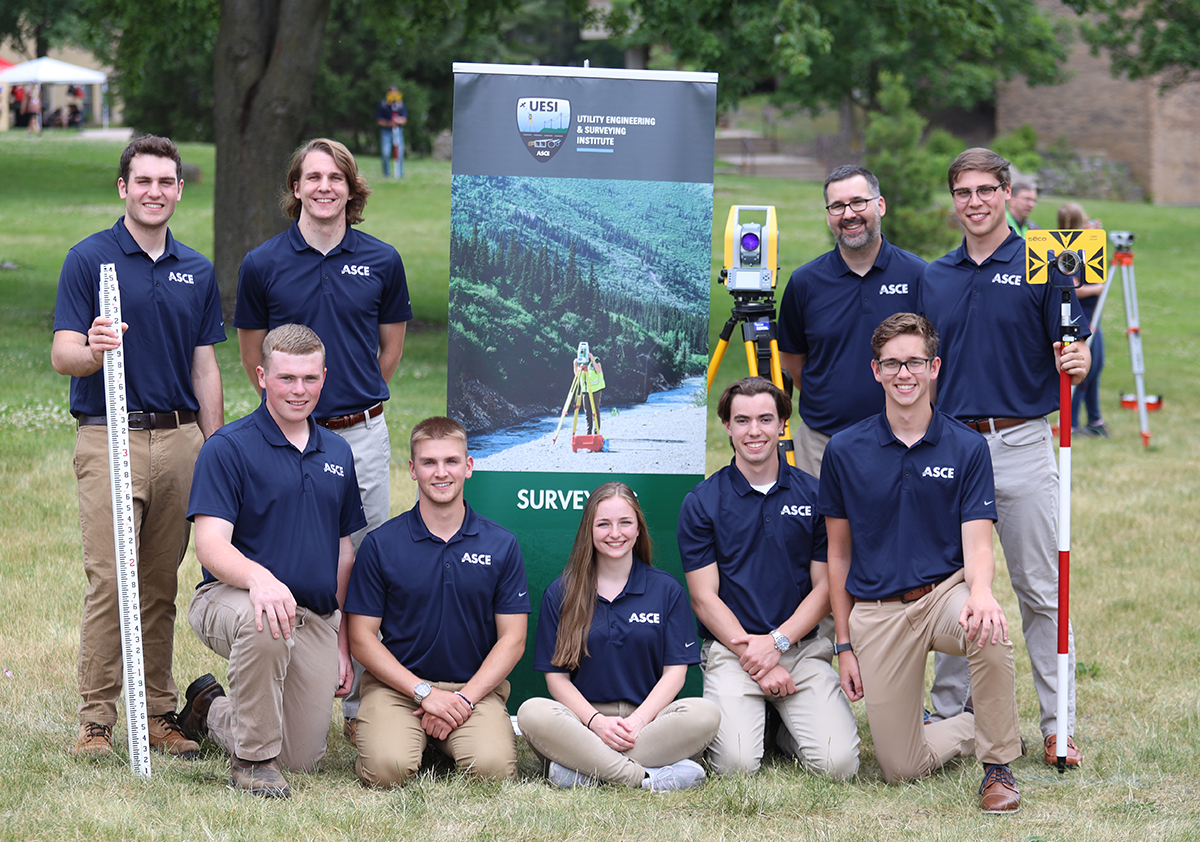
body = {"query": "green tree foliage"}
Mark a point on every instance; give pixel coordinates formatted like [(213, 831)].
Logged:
[(34, 26), (1020, 147), (1145, 37), (908, 172), (818, 53)]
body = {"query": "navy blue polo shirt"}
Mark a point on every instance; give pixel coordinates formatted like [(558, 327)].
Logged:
[(997, 334), (344, 296), (288, 509), (829, 313), (438, 600), (762, 544), (172, 306), (647, 627), (906, 505)]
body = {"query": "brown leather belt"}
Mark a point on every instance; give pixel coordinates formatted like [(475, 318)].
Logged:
[(341, 422), (989, 425), (910, 596), (144, 420)]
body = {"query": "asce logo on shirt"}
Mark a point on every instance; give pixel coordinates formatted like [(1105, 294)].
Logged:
[(802, 511), (349, 269), (476, 558), (635, 617), (336, 470), (938, 473), (1011, 280), (893, 289), (181, 278)]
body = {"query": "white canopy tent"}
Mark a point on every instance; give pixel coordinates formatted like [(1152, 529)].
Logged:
[(51, 71)]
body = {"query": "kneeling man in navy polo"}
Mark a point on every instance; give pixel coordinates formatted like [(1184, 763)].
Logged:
[(909, 502), (446, 588), (275, 500), (753, 549)]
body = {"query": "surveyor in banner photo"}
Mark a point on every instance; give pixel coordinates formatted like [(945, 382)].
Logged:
[(351, 289), (753, 549), (615, 637), (909, 502), (587, 367), (831, 305), (1000, 339), (438, 606), (171, 310), (275, 501)]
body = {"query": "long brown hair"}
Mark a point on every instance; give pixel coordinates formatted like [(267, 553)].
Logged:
[(580, 576)]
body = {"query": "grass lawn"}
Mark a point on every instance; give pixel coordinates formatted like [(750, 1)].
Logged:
[(1135, 582)]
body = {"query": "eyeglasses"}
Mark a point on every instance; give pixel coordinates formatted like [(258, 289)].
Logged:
[(917, 365), (856, 205), (963, 195)]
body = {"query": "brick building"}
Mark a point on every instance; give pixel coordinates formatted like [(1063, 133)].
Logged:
[(1158, 136)]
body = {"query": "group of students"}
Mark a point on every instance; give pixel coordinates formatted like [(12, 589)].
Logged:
[(311, 593)]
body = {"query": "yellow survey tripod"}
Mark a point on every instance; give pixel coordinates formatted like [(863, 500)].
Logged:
[(750, 277)]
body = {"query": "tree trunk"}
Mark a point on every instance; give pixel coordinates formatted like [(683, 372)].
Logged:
[(265, 66)]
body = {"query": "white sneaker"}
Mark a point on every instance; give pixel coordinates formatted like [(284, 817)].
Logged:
[(682, 775), (565, 778)]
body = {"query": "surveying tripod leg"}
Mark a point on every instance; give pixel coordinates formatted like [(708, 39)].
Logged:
[(1134, 331), (562, 416)]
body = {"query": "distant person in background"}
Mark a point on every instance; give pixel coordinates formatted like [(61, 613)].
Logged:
[(1072, 217), (1020, 206), (32, 108), (615, 638), (391, 117)]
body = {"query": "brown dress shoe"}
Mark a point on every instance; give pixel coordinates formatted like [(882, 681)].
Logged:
[(259, 777), (998, 792), (199, 696), (1074, 755), (350, 730), (166, 736), (95, 740)]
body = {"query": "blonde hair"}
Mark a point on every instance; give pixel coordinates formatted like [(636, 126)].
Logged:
[(1072, 217)]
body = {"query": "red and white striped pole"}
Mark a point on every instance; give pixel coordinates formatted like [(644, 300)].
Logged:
[(1069, 335)]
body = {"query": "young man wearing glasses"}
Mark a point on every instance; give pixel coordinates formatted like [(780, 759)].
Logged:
[(909, 503), (832, 304), (1000, 336)]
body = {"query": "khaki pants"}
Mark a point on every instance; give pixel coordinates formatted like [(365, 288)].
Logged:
[(1027, 505), (892, 641), (817, 718), (162, 462), (809, 448), (280, 692), (681, 730), (391, 740)]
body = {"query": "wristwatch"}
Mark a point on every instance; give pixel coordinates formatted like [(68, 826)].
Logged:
[(421, 692), (839, 648), (781, 640)]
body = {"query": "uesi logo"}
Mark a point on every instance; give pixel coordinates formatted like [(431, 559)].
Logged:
[(544, 125)]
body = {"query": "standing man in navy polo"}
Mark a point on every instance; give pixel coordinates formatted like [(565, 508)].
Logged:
[(275, 500), (172, 313), (831, 305), (446, 587), (350, 288), (909, 503), (1001, 341), (754, 552)]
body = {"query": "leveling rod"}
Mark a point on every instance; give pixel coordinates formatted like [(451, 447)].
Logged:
[(121, 473)]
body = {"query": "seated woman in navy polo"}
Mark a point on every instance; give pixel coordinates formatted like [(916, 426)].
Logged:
[(615, 637)]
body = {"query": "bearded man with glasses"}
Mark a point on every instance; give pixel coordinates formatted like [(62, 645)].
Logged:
[(830, 307), (1000, 339)]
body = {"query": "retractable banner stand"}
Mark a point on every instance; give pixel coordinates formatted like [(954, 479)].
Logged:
[(580, 254)]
